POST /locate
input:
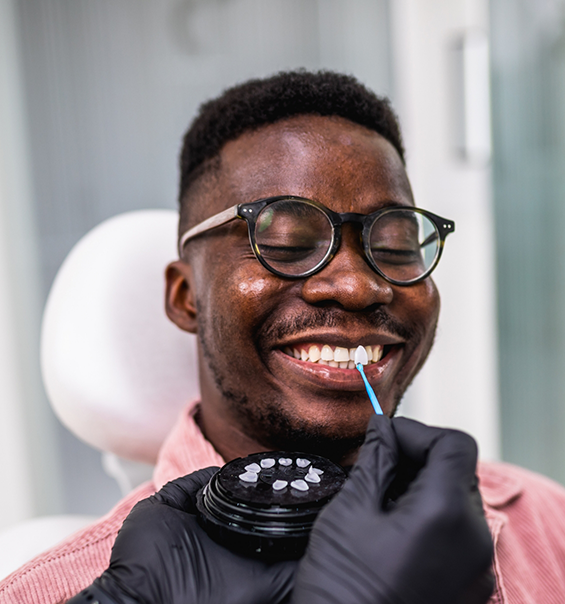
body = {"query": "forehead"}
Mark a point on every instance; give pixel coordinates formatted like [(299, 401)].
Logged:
[(343, 165)]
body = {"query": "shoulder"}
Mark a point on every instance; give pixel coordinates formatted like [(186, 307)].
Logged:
[(526, 503), (502, 483), (526, 516), (64, 570)]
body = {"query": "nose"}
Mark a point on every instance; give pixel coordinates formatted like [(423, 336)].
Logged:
[(348, 280)]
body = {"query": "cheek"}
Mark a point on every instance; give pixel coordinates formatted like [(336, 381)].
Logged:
[(420, 306), (432, 304), (253, 288), (237, 300)]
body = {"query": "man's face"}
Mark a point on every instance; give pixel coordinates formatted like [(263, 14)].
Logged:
[(248, 319)]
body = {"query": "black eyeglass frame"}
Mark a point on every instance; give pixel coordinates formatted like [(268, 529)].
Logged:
[(250, 211)]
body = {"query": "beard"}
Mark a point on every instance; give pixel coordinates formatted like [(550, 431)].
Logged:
[(266, 421)]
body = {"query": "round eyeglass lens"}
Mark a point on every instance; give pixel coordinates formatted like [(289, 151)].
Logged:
[(293, 236), (404, 244)]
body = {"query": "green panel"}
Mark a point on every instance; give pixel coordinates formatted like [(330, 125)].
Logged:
[(528, 94)]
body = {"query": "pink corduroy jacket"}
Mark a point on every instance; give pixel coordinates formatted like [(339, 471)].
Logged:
[(525, 513)]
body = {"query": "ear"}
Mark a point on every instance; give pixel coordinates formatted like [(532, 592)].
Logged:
[(180, 303)]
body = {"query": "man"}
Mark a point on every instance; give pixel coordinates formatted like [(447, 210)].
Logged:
[(313, 164)]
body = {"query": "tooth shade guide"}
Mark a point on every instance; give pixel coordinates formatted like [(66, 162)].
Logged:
[(249, 476), (285, 461), (253, 467), (267, 463), (312, 477), (249, 517), (302, 463), (361, 356)]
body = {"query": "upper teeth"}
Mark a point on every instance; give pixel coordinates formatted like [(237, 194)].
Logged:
[(335, 357)]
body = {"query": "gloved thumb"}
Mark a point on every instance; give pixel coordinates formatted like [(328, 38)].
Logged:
[(377, 462), (180, 494), (450, 454)]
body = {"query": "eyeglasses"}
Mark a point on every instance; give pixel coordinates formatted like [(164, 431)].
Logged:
[(295, 237)]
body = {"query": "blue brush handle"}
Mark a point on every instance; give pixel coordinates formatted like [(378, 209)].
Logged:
[(370, 391)]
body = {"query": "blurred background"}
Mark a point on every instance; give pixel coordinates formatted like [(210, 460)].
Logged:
[(95, 96)]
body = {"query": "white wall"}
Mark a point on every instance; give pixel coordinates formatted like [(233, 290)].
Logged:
[(111, 85), (109, 88), (458, 386), (24, 426)]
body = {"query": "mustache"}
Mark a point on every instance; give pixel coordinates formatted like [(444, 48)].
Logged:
[(272, 331)]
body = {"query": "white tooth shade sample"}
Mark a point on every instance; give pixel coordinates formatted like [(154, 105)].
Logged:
[(302, 463), (267, 463), (299, 485), (279, 484), (285, 461), (361, 356), (253, 467), (312, 477), (316, 471), (249, 477)]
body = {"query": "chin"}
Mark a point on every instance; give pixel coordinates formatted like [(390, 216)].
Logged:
[(278, 431)]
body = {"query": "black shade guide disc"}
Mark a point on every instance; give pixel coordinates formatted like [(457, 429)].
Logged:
[(258, 506)]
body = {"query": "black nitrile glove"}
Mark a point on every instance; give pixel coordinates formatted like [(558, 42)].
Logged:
[(163, 556), (431, 546)]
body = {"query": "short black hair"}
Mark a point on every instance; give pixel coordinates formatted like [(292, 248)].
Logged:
[(259, 102)]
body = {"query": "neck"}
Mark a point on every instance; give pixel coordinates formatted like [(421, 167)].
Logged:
[(228, 440)]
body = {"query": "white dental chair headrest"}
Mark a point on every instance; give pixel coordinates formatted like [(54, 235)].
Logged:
[(116, 370)]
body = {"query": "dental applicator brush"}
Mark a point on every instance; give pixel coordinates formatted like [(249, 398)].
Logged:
[(360, 360)]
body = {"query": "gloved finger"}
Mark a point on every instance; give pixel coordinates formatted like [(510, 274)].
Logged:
[(480, 589), (448, 456), (444, 496), (180, 494), (375, 467), (265, 582)]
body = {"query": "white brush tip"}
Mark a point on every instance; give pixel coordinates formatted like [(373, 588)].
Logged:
[(361, 356)]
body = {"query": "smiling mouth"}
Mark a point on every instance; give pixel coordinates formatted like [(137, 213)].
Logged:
[(334, 356)]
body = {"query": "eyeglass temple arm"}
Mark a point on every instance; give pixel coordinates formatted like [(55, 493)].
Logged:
[(208, 224), (449, 227), (431, 237)]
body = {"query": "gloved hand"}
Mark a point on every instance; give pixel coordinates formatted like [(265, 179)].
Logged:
[(163, 556), (432, 546)]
